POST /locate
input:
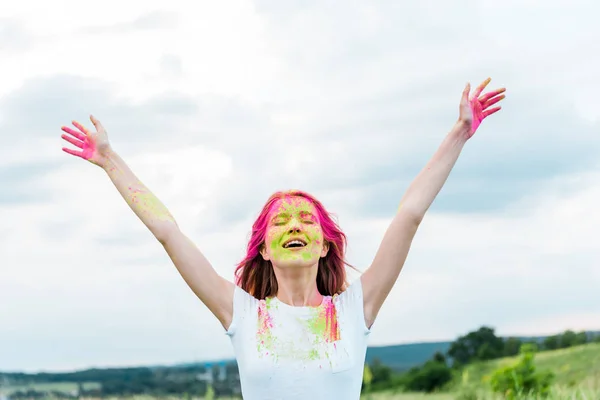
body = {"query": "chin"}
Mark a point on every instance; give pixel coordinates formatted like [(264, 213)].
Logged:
[(298, 262)]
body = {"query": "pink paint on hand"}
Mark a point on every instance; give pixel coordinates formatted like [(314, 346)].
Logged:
[(80, 139), (93, 146), (475, 109)]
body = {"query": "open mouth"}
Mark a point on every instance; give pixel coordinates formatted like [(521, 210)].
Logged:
[(294, 243)]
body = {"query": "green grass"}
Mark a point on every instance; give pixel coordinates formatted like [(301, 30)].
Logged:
[(575, 366), (66, 387), (408, 396), (557, 394)]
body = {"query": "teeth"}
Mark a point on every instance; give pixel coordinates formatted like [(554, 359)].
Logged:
[(294, 242)]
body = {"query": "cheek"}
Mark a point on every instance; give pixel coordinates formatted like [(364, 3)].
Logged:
[(315, 234), (272, 239), (316, 237)]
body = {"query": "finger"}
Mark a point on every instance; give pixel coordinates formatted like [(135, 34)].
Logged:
[(73, 152), (492, 101), (481, 87), (81, 127), (96, 123), (73, 132), (489, 95), (491, 111), (73, 141)]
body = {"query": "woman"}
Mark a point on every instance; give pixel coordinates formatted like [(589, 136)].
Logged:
[(298, 330)]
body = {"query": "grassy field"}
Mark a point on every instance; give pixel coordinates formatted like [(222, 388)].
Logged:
[(577, 366), (66, 387), (557, 394)]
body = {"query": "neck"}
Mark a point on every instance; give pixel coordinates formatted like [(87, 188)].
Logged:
[(298, 286)]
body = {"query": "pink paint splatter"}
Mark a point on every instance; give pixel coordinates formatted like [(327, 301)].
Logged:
[(332, 329)]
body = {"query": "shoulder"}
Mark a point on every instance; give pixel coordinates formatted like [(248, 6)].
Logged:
[(351, 304), (244, 305), (352, 293)]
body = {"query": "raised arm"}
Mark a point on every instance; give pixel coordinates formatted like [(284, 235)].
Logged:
[(212, 289), (381, 276)]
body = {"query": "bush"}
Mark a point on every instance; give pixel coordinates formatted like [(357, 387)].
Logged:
[(522, 378), (433, 375)]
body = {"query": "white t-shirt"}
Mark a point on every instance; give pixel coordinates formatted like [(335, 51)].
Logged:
[(306, 353)]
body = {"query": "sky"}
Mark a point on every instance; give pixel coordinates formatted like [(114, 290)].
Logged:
[(216, 105)]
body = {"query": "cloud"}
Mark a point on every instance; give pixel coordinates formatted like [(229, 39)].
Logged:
[(534, 261), (14, 38), (157, 19)]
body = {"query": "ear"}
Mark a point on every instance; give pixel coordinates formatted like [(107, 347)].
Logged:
[(263, 252), (325, 248)]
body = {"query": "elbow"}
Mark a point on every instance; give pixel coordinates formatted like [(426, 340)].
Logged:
[(165, 232), (412, 217)]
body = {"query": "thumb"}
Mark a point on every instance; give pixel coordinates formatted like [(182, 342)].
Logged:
[(465, 94), (96, 123)]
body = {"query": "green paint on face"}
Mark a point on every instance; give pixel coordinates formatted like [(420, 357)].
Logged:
[(294, 218)]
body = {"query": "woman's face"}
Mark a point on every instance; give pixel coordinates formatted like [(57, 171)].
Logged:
[(294, 236)]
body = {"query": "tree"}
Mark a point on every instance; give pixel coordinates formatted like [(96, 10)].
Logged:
[(482, 344), (381, 374), (552, 342), (439, 357), (512, 346), (581, 338), (568, 339), (433, 375)]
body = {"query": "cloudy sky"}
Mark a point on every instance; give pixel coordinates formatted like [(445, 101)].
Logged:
[(215, 105)]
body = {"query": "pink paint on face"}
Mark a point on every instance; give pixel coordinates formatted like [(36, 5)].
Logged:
[(294, 218)]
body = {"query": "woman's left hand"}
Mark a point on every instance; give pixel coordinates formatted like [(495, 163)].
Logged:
[(474, 109)]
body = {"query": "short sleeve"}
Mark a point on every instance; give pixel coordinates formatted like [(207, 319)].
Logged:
[(351, 303), (243, 306)]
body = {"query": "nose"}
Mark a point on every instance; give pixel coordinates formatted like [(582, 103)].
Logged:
[(295, 226)]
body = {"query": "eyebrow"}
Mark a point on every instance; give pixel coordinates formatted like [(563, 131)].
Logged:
[(285, 214)]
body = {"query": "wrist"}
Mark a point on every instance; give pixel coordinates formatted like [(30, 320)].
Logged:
[(460, 131), (108, 160)]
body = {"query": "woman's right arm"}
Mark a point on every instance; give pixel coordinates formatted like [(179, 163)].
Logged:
[(213, 290)]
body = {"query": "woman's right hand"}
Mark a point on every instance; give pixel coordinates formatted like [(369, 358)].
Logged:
[(94, 146)]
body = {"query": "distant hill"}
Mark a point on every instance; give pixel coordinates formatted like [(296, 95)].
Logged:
[(402, 357)]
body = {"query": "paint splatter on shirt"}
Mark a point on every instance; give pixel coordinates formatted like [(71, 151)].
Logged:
[(317, 327)]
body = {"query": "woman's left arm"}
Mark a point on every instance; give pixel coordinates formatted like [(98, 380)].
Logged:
[(380, 277)]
